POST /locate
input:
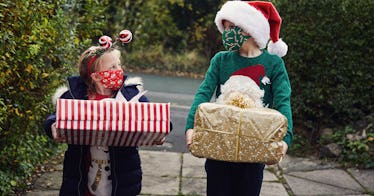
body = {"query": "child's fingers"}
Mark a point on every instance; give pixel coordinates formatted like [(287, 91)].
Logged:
[(55, 136), (189, 134), (54, 131), (285, 148), (284, 151), (160, 142)]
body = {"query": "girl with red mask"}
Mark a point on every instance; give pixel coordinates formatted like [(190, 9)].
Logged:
[(100, 170)]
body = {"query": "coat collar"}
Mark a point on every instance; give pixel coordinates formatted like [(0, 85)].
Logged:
[(77, 87)]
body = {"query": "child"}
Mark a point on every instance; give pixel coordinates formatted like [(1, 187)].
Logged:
[(246, 28), (99, 170)]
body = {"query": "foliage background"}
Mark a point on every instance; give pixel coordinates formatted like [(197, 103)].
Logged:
[(330, 59), (39, 42), (329, 62)]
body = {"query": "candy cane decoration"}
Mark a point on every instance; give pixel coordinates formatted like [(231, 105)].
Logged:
[(105, 41), (125, 36)]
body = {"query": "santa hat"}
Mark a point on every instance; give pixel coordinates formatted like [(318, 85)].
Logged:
[(260, 19)]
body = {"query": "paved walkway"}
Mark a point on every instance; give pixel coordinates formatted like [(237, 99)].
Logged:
[(172, 173)]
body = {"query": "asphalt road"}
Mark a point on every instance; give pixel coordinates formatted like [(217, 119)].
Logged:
[(175, 141)]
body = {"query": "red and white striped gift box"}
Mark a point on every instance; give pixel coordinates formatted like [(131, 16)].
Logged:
[(112, 123)]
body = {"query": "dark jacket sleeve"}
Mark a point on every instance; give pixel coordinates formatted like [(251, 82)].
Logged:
[(52, 118), (48, 123), (143, 99)]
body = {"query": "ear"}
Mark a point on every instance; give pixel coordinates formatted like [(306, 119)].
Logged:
[(95, 77)]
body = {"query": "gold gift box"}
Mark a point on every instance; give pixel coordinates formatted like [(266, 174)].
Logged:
[(229, 133)]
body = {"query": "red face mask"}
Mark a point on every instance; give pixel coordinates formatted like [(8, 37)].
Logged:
[(112, 79)]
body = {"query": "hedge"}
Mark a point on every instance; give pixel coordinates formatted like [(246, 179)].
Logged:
[(39, 40), (330, 59)]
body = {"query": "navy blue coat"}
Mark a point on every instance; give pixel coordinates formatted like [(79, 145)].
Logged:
[(126, 173)]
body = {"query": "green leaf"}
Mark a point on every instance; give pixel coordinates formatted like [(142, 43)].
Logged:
[(13, 183)]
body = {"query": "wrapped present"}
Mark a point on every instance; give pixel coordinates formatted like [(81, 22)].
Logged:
[(112, 123), (229, 133)]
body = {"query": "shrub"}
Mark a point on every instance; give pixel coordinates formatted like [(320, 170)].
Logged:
[(357, 149), (329, 59), (156, 58), (39, 43)]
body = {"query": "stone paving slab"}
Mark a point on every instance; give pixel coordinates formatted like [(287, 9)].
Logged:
[(49, 181), (177, 174), (193, 166), (193, 186), (271, 185), (302, 186), (161, 172), (156, 185), (334, 177), (157, 163), (365, 178), (269, 176), (43, 193), (272, 189), (193, 178), (290, 164)]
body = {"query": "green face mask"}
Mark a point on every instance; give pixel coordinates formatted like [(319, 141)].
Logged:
[(233, 38)]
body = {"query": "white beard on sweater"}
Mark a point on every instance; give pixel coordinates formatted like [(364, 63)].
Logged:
[(242, 92)]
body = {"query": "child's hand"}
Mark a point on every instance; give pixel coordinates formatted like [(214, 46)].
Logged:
[(284, 151), (189, 134), (55, 135), (160, 142)]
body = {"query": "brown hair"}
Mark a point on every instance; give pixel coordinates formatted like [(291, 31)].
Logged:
[(85, 70)]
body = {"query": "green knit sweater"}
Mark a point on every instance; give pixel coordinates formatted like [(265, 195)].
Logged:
[(261, 69)]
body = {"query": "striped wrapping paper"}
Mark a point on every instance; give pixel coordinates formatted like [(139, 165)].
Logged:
[(112, 123)]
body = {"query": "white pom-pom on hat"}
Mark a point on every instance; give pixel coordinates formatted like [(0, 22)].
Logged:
[(279, 48)]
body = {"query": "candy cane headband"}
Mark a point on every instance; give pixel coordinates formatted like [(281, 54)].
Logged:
[(125, 37)]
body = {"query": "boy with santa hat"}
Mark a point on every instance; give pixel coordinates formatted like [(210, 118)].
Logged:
[(246, 29)]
